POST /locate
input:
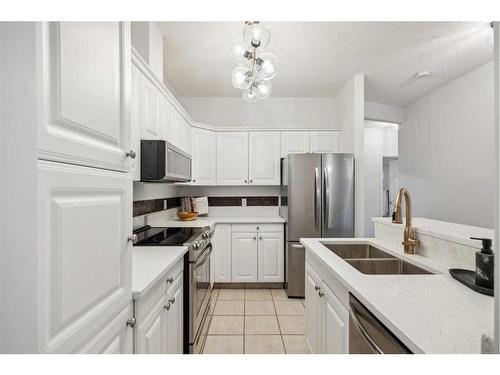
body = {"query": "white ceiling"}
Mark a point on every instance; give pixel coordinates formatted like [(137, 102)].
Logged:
[(317, 58)]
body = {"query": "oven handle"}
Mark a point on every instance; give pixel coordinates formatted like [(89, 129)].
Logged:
[(363, 331), (198, 264)]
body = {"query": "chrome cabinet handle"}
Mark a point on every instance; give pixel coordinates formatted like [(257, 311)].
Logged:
[(131, 154), (170, 280), (254, 238), (321, 294), (251, 181), (131, 322), (316, 288), (297, 246), (194, 180), (260, 238), (257, 228), (245, 181), (167, 306), (133, 238), (172, 300)]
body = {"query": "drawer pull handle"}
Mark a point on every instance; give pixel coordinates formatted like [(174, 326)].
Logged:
[(167, 306), (172, 300), (131, 322), (170, 280), (321, 294), (131, 154), (316, 288)]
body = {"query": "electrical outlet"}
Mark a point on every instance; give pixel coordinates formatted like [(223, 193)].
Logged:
[(244, 202)]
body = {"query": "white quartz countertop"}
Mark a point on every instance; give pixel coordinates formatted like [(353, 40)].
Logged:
[(212, 220), (429, 313), (150, 264), (454, 232)]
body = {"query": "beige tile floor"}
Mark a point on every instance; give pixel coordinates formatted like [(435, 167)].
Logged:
[(256, 321)]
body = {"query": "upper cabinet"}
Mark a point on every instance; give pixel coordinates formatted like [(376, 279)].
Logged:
[(325, 141), (295, 142), (152, 109), (232, 158), (264, 158), (204, 153), (85, 83)]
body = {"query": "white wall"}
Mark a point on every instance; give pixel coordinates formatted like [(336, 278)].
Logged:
[(274, 112), (18, 189), (384, 112), (447, 151), (379, 142)]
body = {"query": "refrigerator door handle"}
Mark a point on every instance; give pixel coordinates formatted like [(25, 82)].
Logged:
[(327, 198), (317, 192)]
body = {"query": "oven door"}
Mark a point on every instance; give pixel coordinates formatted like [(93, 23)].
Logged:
[(200, 291)]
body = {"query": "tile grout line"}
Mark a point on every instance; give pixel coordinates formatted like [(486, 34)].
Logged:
[(279, 325)]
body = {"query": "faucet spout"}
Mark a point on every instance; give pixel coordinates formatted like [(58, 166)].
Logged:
[(410, 243)]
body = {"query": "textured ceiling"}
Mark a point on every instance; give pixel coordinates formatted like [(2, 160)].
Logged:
[(317, 58)]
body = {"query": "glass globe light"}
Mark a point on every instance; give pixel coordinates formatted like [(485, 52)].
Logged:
[(250, 96), (267, 66), (239, 54), (262, 88), (241, 77), (256, 35)]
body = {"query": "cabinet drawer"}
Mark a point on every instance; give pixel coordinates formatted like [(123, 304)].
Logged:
[(145, 304), (257, 228), (175, 272)]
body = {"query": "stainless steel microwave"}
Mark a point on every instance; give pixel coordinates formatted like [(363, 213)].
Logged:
[(163, 162)]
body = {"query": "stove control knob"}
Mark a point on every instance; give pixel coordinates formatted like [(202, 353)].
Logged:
[(196, 245)]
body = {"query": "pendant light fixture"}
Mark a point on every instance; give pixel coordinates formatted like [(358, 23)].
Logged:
[(255, 67)]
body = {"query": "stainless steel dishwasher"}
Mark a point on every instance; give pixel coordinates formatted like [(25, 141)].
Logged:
[(367, 335)]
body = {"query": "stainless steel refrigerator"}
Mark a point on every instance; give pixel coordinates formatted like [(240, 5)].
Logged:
[(317, 193)]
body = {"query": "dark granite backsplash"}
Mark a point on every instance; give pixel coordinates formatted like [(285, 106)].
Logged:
[(154, 205)]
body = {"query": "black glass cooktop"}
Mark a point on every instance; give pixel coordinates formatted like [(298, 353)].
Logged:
[(161, 236)]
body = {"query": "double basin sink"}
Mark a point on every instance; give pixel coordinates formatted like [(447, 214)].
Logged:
[(372, 261)]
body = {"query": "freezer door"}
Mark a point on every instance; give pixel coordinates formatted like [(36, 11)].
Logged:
[(295, 269), (338, 195), (304, 196)]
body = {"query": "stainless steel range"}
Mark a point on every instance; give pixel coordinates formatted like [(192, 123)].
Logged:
[(197, 282)]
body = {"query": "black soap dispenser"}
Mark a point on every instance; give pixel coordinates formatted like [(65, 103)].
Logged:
[(484, 264)]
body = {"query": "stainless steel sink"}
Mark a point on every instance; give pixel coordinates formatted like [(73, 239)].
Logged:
[(394, 266), (356, 251), (372, 261)]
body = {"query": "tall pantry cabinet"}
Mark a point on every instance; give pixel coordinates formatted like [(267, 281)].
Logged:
[(85, 187)]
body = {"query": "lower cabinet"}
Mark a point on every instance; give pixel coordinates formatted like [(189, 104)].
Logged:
[(159, 316), (257, 253), (115, 338), (221, 258), (327, 320), (244, 257)]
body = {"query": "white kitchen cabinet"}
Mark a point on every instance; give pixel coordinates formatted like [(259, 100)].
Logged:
[(117, 337), (327, 319), (232, 158), (151, 110), (335, 322), (264, 158), (313, 307), (204, 154), (221, 258), (151, 337), (135, 122), (293, 142), (244, 257), (174, 315), (159, 315), (85, 219), (181, 132), (325, 141), (271, 257), (85, 92)]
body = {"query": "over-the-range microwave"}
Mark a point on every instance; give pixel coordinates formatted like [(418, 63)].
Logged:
[(163, 162)]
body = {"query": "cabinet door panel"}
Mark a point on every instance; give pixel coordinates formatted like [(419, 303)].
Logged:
[(116, 338), (335, 324), (313, 310), (264, 158), (271, 257), (85, 82), (151, 331), (85, 219), (174, 317), (244, 257), (222, 253), (204, 154), (135, 122), (295, 142), (232, 158), (151, 110), (325, 141)]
